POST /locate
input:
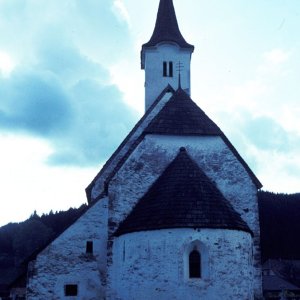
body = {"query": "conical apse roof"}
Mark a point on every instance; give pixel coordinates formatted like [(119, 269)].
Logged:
[(182, 197)]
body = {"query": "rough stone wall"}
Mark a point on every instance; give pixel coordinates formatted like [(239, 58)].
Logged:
[(65, 260), (152, 156), (99, 184), (154, 79), (152, 265)]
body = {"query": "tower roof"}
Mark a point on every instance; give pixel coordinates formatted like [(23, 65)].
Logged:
[(182, 197), (166, 27)]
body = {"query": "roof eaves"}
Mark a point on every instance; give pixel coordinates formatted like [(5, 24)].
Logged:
[(253, 177), (162, 227), (89, 188)]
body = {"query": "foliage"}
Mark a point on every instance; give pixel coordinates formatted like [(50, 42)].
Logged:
[(280, 226)]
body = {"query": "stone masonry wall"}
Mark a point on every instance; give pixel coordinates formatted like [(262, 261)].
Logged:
[(65, 260)]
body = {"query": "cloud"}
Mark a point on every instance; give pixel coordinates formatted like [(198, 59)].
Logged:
[(34, 103), (266, 133), (276, 56), (59, 87), (101, 120), (6, 64), (121, 11)]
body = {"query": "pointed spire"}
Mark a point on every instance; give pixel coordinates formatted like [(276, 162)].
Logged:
[(166, 27)]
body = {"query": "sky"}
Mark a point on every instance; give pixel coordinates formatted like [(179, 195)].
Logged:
[(71, 88)]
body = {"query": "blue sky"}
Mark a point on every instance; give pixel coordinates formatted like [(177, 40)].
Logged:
[(71, 88)]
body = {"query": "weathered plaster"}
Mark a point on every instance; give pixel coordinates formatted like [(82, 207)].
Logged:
[(153, 155), (152, 265), (155, 82), (130, 144), (65, 261)]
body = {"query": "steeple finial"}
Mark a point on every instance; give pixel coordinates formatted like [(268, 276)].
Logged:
[(166, 27)]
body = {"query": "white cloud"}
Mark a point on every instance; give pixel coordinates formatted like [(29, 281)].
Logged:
[(277, 56), (28, 185), (7, 63), (121, 11)]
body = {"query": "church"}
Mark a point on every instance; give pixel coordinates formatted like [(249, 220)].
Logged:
[(173, 214)]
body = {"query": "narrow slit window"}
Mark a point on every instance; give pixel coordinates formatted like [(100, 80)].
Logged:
[(165, 69), (71, 290), (195, 264), (170, 69), (89, 247)]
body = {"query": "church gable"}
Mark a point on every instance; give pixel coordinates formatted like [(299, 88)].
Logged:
[(182, 197), (182, 116)]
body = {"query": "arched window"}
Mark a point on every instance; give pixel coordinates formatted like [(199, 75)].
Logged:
[(195, 264)]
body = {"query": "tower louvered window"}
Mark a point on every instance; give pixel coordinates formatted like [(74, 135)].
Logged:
[(195, 264)]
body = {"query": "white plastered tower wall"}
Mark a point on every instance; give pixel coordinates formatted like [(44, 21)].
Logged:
[(154, 60)]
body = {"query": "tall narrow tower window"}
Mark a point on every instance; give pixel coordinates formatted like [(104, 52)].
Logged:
[(168, 69), (194, 264), (165, 71)]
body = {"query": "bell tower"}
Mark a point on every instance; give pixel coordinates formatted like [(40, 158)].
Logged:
[(164, 53)]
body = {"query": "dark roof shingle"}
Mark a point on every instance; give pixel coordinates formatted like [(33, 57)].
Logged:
[(182, 116), (166, 27), (182, 197)]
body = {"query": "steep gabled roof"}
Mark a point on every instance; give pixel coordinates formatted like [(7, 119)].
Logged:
[(182, 116), (166, 27), (182, 197)]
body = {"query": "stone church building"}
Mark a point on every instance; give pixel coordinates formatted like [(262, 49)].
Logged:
[(173, 213)]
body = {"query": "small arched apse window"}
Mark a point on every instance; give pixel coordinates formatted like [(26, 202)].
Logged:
[(195, 264), (195, 261)]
